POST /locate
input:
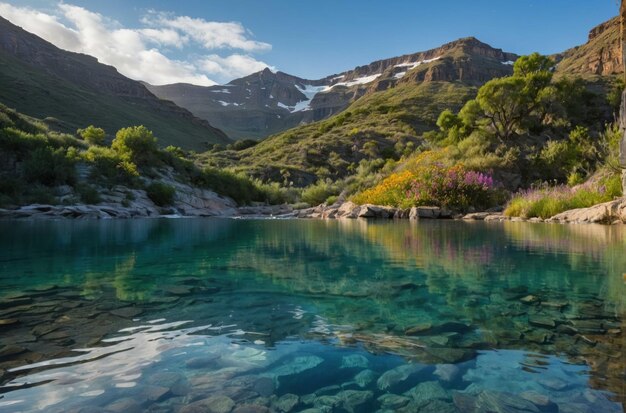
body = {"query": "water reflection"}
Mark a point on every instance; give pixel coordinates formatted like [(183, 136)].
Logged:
[(550, 298)]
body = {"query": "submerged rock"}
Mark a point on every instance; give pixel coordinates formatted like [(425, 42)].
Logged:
[(355, 400), (447, 372), (393, 401), (213, 404), (427, 391), (295, 366), (364, 378), (286, 403), (397, 375), (498, 402), (354, 360)]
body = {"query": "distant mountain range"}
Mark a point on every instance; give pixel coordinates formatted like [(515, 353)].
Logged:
[(73, 90), (265, 102)]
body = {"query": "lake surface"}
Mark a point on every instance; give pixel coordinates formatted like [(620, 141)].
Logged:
[(195, 315)]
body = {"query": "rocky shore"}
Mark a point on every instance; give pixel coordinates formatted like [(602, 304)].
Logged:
[(613, 212), (194, 202)]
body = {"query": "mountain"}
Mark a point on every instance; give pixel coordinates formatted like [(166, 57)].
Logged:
[(600, 56), (265, 103), (74, 90)]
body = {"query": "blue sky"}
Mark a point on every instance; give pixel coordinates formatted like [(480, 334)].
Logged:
[(315, 38)]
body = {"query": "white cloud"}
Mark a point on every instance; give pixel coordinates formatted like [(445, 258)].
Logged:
[(236, 64), (142, 53), (213, 35)]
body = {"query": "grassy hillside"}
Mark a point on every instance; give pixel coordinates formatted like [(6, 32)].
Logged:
[(67, 107), (381, 125), (41, 80)]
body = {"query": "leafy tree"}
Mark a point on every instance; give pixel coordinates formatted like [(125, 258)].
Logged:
[(505, 104), (92, 135), (136, 143)]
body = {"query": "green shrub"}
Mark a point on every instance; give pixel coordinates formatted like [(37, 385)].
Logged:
[(136, 143), (92, 135), (49, 167), (319, 192), (161, 194), (109, 167), (88, 194)]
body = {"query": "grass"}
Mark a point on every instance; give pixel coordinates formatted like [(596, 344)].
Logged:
[(546, 202)]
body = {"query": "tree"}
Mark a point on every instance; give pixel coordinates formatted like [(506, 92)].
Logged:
[(92, 135), (136, 143), (448, 120), (505, 102)]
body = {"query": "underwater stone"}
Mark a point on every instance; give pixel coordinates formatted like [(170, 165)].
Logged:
[(354, 360), (364, 378), (397, 375), (355, 399), (213, 404), (498, 402), (529, 299), (447, 372), (418, 329), (297, 365), (286, 403), (541, 322), (427, 391), (393, 401), (542, 401)]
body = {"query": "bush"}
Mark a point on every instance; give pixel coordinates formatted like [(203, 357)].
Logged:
[(110, 167), (136, 143), (453, 187), (49, 167), (161, 194), (92, 135), (319, 192), (88, 194)]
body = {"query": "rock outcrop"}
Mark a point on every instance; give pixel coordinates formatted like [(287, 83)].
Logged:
[(601, 55)]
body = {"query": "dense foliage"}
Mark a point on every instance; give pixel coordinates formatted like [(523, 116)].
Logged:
[(521, 130), (37, 165)]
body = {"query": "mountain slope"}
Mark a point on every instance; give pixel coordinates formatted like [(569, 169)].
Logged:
[(264, 103), (42, 80), (600, 56)]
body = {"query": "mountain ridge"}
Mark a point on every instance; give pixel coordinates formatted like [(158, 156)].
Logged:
[(43, 80), (266, 102)]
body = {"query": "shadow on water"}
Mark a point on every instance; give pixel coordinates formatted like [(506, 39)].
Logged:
[(335, 315)]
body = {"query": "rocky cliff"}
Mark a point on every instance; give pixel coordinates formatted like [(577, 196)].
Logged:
[(265, 103), (601, 55)]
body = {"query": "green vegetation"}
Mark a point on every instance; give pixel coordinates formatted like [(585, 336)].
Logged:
[(546, 202), (37, 165), (92, 135), (519, 130), (160, 193), (383, 125)]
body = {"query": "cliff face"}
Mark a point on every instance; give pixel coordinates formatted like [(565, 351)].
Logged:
[(601, 55)]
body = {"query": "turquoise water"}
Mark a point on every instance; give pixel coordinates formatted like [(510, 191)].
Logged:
[(193, 315)]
